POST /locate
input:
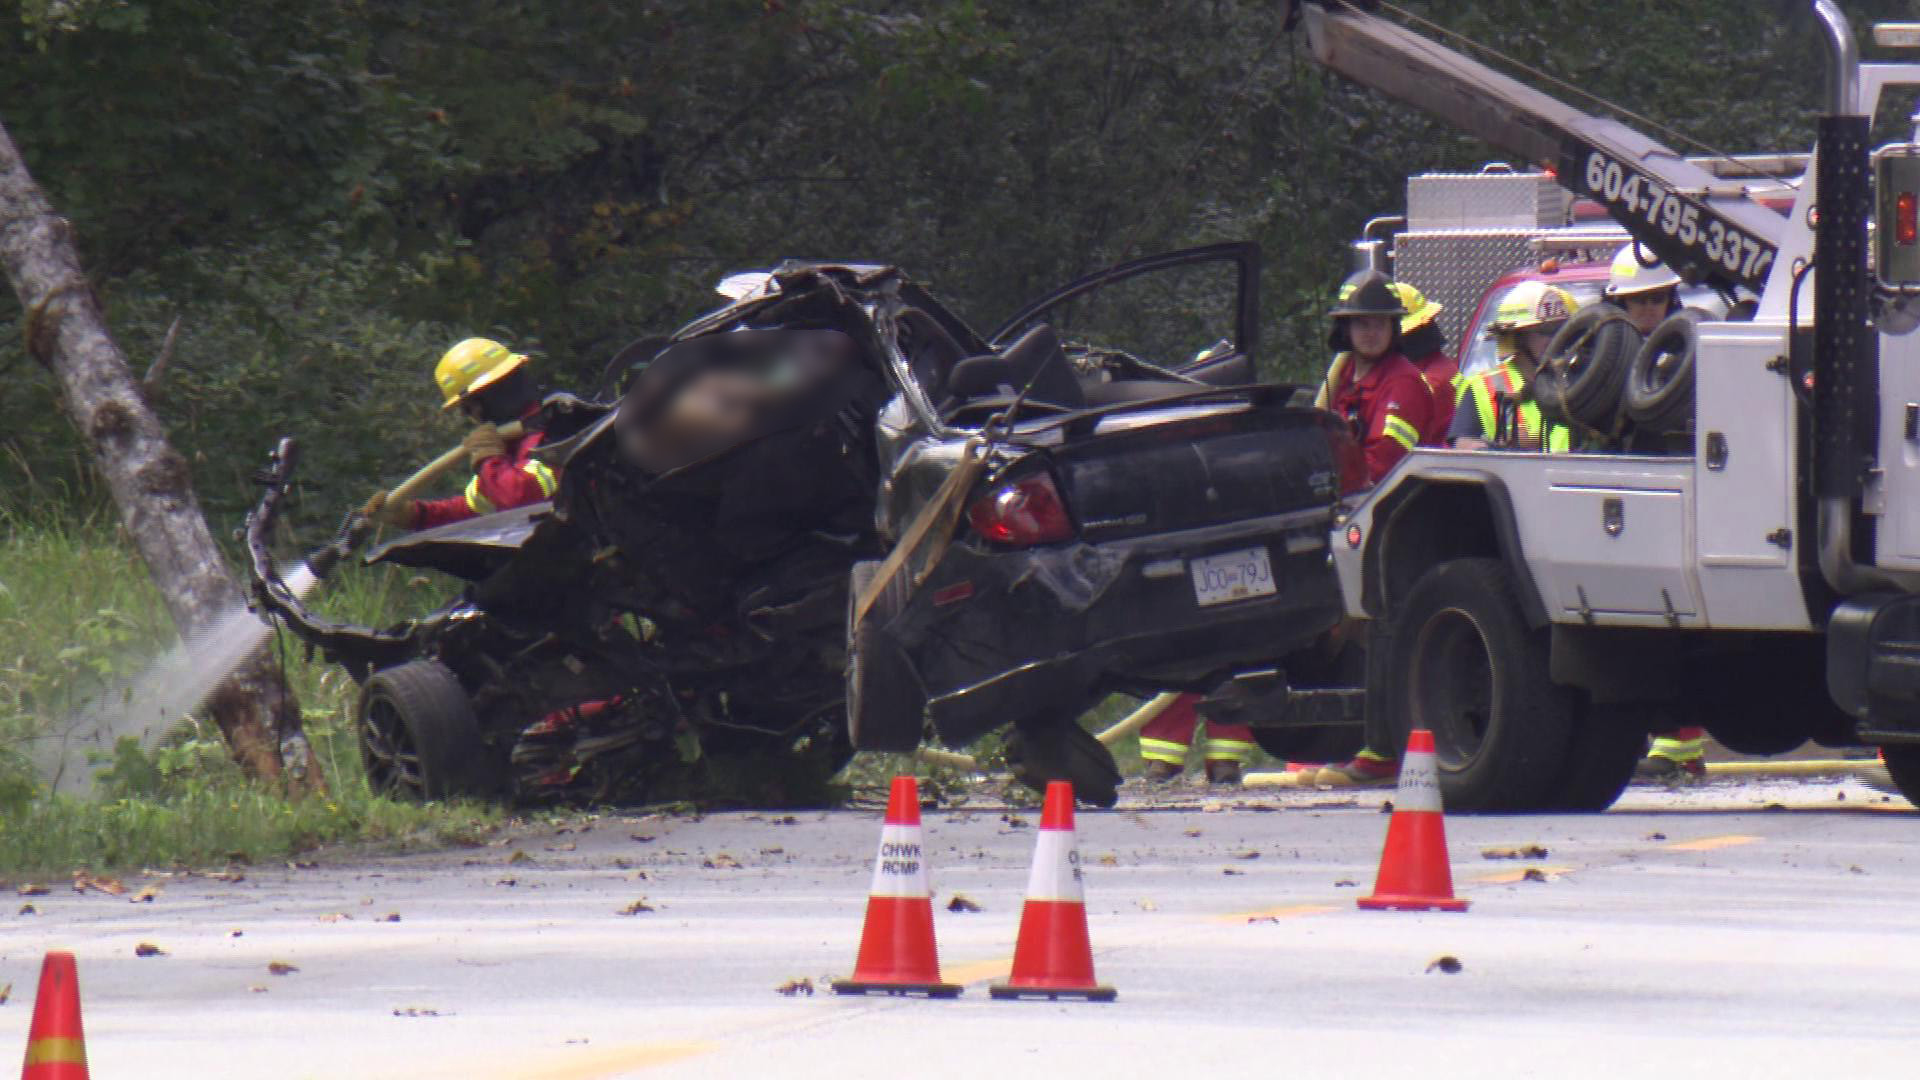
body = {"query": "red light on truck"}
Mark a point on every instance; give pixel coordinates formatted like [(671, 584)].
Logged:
[(1906, 219), (1353, 537)]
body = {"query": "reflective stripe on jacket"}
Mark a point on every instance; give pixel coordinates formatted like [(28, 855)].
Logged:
[(1506, 379)]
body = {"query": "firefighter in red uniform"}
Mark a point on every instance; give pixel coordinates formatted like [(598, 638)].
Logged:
[(491, 385), (1165, 739), (1423, 342), (1378, 390)]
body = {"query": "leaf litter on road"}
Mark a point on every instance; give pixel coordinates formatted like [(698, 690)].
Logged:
[(961, 902), (148, 948), (638, 907), (794, 987), (280, 967)]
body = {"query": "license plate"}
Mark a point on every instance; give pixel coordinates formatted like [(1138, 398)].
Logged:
[(1234, 575)]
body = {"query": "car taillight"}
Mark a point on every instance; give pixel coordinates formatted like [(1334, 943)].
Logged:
[(1022, 513), (1906, 223)]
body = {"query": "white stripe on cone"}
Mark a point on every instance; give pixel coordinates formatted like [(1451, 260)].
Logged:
[(1419, 784), (900, 870), (1056, 868)]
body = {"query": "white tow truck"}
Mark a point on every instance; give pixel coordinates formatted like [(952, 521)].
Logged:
[(1541, 613)]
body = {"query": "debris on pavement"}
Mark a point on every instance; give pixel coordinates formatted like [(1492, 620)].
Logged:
[(6, 991), (721, 861), (1533, 874), (29, 909), (148, 948), (417, 1010), (84, 882), (280, 967), (638, 907), (1346, 883), (391, 916), (963, 903), (147, 895), (1530, 851), (1446, 965), (1231, 872), (1657, 836), (30, 888), (793, 987), (1247, 854)]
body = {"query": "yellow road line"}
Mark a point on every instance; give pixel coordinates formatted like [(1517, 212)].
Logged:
[(978, 972), (612, 1061), (1711, 843), (1291, 911), (1518, 874)]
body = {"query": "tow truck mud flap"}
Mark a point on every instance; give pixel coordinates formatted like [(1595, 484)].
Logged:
[(1873, 665)]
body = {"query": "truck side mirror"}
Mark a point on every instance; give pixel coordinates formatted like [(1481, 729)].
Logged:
[(1896, 234)]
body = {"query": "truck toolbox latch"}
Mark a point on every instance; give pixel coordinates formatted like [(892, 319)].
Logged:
[(1716, 451), (1613, 516)]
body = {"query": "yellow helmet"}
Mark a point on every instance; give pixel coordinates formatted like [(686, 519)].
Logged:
[(472, 366), (1531, 305), (1420, 310)]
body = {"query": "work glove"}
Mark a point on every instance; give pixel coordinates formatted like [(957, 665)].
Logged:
[(483, 442), (392, 513)]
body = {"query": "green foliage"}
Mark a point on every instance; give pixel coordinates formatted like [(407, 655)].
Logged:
[(78, 616), (327, 194)]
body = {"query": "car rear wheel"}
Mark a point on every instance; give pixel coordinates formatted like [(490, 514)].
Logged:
[(419, 737), (1063, 750), (1466, 666), (1903, 764), (885, 703)]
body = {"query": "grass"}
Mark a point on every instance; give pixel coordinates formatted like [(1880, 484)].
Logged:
[(77, 613)]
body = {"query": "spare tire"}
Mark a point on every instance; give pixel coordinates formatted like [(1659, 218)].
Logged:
[(1586, 364), (1659, 395)]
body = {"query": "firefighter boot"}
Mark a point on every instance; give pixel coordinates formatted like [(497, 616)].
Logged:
[(1367, 769), (1677, 757), (1161, 772), (1223, 771)]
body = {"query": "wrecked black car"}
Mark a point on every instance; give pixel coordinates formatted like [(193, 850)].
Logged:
[(1101, 520), (1010, 527)]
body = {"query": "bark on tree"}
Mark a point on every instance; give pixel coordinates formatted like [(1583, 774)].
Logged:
[(66, 332)]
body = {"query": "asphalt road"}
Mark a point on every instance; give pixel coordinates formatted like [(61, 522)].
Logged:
[(1734, 930)]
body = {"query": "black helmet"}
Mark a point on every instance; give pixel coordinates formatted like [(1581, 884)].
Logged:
[(1368, 292)]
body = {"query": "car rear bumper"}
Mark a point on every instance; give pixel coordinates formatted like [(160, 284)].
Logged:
[(996, 636)]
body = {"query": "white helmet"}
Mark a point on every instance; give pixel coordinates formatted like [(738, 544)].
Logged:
[(1627, 277)]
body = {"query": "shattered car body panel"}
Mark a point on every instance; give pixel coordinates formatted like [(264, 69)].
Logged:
[(682, 604), (1129, 481)]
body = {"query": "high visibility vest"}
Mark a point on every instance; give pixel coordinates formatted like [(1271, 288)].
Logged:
[(1534, 432)]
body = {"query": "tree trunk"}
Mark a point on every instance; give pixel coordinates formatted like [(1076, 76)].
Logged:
[(66, 332)]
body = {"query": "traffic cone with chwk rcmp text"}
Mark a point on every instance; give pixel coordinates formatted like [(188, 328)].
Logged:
[(1053, 958), (1414, 874), (897, 952), (55, 1048)]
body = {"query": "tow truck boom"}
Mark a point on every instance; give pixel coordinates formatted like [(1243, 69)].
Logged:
[(1705, 227)]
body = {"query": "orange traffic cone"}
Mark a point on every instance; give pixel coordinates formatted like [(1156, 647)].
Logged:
[(897, 951), (1053, 958), (1414, 875), (56, 1050)]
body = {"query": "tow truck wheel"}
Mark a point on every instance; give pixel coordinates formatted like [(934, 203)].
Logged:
[(1465, 665), (419, 737), (1607, 742), (1903, 764)]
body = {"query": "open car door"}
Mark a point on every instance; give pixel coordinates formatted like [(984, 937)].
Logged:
[(1195, 311)]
